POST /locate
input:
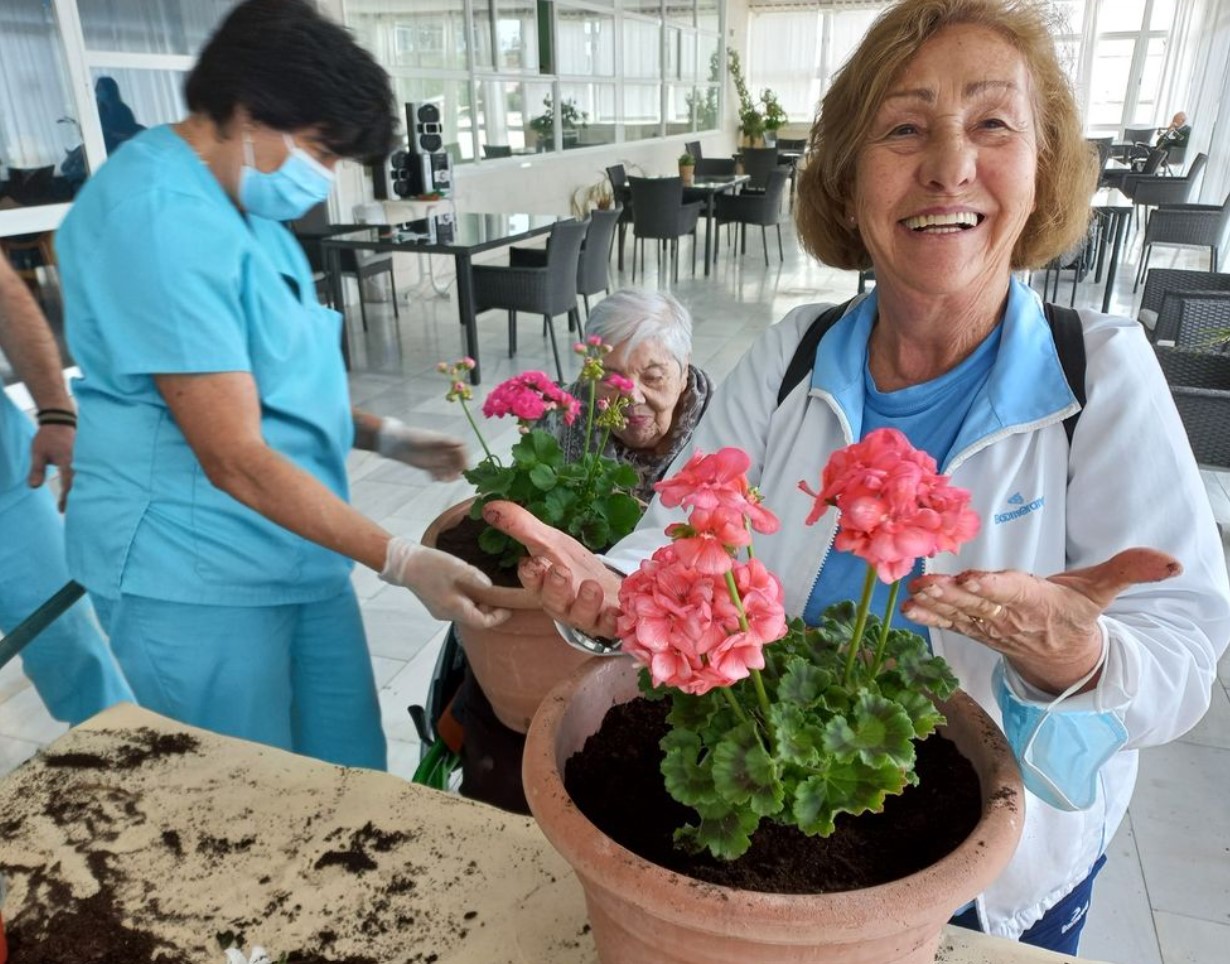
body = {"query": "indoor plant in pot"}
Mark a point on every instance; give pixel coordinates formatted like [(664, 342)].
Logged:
[(774, 728), (519, 661), (687, 168)]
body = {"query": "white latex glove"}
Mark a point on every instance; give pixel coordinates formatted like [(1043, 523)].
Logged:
[(443, 582), (441, 455), (259, 956)]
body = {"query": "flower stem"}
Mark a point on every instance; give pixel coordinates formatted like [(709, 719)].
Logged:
[(762, 697), (856, 638), (730, 698), (884, 627), (589, 415), (474, 425)]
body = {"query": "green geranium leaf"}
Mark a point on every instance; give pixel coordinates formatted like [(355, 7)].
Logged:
[(813, 811), (691, 712), (926, 672), (878, 731), (624, 476), (623, 512), (796, 741), (543, 477), (688, 780), (726, 837), (802, 683), (921, 711), (493, 542), (743, 772), (644, 683)]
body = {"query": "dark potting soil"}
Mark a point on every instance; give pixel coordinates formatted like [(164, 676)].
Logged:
[(915, 829), (462, 541)]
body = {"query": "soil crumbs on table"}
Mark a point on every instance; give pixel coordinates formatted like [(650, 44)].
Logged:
[(914, 830)]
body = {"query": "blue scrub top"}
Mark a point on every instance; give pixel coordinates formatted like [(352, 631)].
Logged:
[(163, 275)]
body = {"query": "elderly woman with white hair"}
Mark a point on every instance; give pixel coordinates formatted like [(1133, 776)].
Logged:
[(650, 334)]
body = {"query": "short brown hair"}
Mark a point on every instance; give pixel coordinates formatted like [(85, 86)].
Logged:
[(1067, 167)]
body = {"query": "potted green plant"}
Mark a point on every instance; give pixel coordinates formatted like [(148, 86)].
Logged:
[(770, 721), (572, 121), (687, 168), (774, 116), (751, 120), (519, 661)]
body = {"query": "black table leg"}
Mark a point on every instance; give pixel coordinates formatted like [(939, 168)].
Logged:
[(1113, 269), (465, 308), (709, 207), (333, 265)]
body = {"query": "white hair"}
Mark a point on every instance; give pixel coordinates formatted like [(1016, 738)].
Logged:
[(629, 316)]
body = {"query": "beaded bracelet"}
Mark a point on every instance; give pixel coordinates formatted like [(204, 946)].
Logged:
[(57, 416)]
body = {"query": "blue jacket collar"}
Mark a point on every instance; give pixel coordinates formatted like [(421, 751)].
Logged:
[(1026, 385)]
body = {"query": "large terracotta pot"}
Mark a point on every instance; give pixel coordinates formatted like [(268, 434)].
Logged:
[(520, 661), (641, 913)]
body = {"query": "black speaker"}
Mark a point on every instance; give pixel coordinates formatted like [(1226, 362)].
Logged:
[(392, 178), (423, 128)]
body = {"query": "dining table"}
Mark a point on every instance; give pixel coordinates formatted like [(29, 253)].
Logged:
[(707, 189), (1112, 209), (139, 839), (459, 234)]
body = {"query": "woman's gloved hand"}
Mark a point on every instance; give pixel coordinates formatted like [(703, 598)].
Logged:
[(442, 455), (444, 583)]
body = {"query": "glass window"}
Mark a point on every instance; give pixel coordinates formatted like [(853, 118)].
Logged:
[(42, 156), (506, 34), (679, 105), (708, 15), (515, 118), (452, 97), (651, 8), (642, 111), (1112, 63), (709, 57), (130, 100), (586, 43), (1162, 17), (681, 11), (1120, 15), (592, 114), (642, 50), (673, 53), (401, 35), (1150, 82), (148, 26)]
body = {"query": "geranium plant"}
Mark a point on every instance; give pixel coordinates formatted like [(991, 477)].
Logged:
[(771, 718), (590, 498)]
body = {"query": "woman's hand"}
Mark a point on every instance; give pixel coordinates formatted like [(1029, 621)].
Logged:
[(1047, 628), (445, 585), (444, 457), (570, 582)]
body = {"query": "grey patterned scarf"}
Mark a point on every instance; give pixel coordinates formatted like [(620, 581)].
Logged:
[(650, 464)]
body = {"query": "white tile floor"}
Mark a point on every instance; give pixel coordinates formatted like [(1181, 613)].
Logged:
[(1164, 897)]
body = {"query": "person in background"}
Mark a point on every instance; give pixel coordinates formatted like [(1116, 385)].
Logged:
[(69, 662), (116, 117), (210, 517), (1177, 134), (650, 334), (1088, 614)]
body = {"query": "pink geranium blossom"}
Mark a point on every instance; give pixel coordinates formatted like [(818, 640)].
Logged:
[(528, 397), (719, 479)]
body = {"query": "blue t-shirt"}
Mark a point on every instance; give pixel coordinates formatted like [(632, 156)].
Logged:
[(930, 415), (164, 275)]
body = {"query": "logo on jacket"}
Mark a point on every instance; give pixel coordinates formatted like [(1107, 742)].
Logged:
[(1022, 509)]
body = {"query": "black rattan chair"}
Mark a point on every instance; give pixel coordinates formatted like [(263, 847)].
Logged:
[(594, 264), (693, 148), (715, 167), (762, 209), (758, 163), (1194, 320), (1200, 384), (547, 290), (658, 213), (623, 196), (1159, 282), (1202, 225), (1153, 190)]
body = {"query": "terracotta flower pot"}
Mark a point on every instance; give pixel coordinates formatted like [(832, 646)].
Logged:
[(641, 912), (520, 661), (687, 172)]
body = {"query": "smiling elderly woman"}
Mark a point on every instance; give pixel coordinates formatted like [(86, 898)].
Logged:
[(948, 153), (650, 334)]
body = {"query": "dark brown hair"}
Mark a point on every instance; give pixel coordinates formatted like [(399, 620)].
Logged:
[(1067, 168)]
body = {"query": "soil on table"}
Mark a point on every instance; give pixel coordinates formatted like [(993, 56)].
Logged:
[(914, 830), (462, 541)]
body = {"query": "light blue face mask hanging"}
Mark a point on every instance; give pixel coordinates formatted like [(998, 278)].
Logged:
[(1060, 753), (291, 191)]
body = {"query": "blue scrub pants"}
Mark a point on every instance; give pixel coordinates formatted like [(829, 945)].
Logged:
[(298, 677), (69, 662)]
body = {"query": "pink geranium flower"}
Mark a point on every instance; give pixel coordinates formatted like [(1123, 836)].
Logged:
[(528, 397)]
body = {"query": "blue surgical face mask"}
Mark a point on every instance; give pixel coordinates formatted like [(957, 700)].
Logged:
[(291, 191), (1060, 753)]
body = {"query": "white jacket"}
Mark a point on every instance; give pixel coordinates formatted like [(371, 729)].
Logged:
[(1129, 480)]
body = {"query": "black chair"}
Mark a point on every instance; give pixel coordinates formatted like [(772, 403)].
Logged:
[(762, 209), (1153, 190), (1203, 225), (658, 212), (593, 265), (792, 144), (1160, 282), (312, 228), (758, 163), (1194, 320), (497, 150), (548, 290), (715, 167), (693, 148), (623, 196)]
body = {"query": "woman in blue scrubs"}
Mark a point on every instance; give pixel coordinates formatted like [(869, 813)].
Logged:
[(209, 518)]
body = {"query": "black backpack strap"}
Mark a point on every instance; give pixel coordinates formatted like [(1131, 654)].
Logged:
[(804, 358), (1070, 343)]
